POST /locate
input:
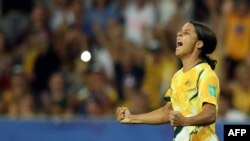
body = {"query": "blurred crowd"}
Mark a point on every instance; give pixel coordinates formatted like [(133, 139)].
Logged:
[(132, 45)]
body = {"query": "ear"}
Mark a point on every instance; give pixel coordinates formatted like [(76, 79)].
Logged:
[(199, 44)]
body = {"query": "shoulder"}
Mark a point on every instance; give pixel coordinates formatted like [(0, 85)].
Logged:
[(209, 74), (177, 73)]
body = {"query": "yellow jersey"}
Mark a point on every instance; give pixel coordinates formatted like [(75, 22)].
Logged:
[(187, 93)]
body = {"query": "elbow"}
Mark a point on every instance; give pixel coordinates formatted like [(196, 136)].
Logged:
[(211, 118), (210, 113)]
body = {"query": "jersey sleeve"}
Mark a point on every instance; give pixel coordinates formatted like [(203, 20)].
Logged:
[(168, 95), (169, 92), (209, 89)]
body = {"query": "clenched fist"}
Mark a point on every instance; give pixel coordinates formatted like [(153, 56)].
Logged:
[(177, 119), (123, 115)]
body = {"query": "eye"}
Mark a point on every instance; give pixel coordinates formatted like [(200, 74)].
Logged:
[(185, 32)]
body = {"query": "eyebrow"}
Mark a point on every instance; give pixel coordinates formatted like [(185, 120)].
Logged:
[(186, 30)]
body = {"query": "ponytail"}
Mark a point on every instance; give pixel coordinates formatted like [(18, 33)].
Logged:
[(208, 37), (212, 63)]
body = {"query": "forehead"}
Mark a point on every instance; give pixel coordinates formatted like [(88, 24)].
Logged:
[(188, 27)]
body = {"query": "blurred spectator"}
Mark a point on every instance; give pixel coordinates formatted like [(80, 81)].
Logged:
[(166, 9), (226, 6), (77, 81), (139, 18), (241, 90), (37, 26), (169, 8), (207, 11), (98, 98), (3, 109), (13, 25), (110, 44), (237, 35), (27, 107), (67, 47), (227, 113), (65, 14), (78, 11), (47, 63), (31, 48), (100, 13), (34, 40), (14, 19), (159, 67), (134, 100), (54, 101), (93, 108), (139, 104), (13, 110), (127, 73), (60, 14), (69, 44), (13, 95), (5, 64), (214, 14)]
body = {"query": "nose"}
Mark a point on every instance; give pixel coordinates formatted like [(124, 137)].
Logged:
[(179, 33)]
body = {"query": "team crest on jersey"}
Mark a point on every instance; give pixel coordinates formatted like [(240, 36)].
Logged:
[(188, 83), (212, 90)]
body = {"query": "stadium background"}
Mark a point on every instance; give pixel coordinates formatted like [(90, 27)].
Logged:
[(48, 91)]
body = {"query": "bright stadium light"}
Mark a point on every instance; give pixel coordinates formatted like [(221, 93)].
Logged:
[(85, 56)]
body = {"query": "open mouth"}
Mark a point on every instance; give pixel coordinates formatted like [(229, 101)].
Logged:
[(179, 44)]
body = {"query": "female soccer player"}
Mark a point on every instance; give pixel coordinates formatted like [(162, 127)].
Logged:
[(192, 99)]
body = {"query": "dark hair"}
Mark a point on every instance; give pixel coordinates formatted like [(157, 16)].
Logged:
[(208, 37)]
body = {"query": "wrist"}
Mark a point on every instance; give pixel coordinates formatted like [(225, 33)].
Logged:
[(187, 121), (133, 119)]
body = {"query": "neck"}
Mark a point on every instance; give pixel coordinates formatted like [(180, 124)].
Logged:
[(189, 62)]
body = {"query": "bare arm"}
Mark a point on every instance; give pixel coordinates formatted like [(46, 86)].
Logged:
[(158, 116), (205, 117)]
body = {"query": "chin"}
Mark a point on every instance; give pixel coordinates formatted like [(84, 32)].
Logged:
[(178, 54)]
